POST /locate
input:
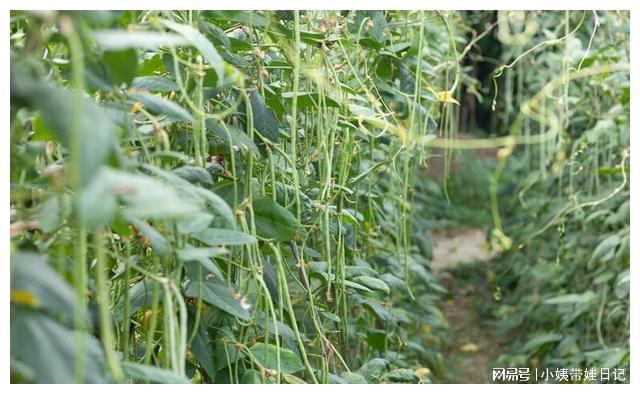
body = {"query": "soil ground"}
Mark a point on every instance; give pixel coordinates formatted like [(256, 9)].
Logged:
[(474, 345)]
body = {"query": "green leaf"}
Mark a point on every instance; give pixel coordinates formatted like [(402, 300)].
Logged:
[(154, 83), (159, 243), (353, 378), (540, 339), (210, 199), (218, 236), (216, 33), (41, 131), (251, 376), (97, 202), (605, 249), (123, 65), (58, 109), (53, 212), (143, 197), (250, 18), (571, 298), (291, 379), (217, 293), (140, 373), (311, 100), (273, 221), (194, 174), (31, 276), (373, 369), (403, 375), (373, 283), (352, 284), (264, 121), (198, 40), (235, 137), (161, 106), (266, 354), (203, 351), (194, 254), (46, 348), (378, 310), (140, 296)]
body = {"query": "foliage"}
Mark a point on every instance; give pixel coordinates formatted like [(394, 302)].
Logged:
[(222, 196), (238, 196)]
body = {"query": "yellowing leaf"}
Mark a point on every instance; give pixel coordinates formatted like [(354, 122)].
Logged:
[(469, 347), (422, 372), (24, 297), (426, 329), (136, 107), (445, 96)]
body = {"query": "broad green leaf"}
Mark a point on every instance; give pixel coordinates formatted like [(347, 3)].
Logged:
[(97, 202), (291, 379), (359, 270), (194, 174), (540, 339), (378, 310), (207, 49), (251, 376), (195, 224), (54, 211), (202, 349), (571, 298), (61, 110), (216, 33), (217, 293), (161, 106), (311, 100), (264, 121), (159, 243), (331, 316), (273, 221), (285, 332), (211, 199), (402, 375), (47, 348), (605, 249), (122, 65), (194, 254), (353, 378), (233, 136), (251, 18), (266, 354), (143, 196), (31, 275), (194, 269), (141, 373), (373, 283), (154, 83), (354, 285), (140, 297), (335, 379), (218, 236), (614, 357), (373, 369), (564, 299)]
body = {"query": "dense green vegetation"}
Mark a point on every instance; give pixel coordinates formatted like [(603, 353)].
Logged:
[(242, 197)]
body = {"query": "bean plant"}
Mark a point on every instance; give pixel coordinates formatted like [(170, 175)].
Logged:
[(237, 196)]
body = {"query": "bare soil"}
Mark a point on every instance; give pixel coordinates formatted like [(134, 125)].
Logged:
[(474, 345)]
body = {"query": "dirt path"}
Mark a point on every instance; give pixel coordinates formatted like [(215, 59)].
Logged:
[(473, 346)]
